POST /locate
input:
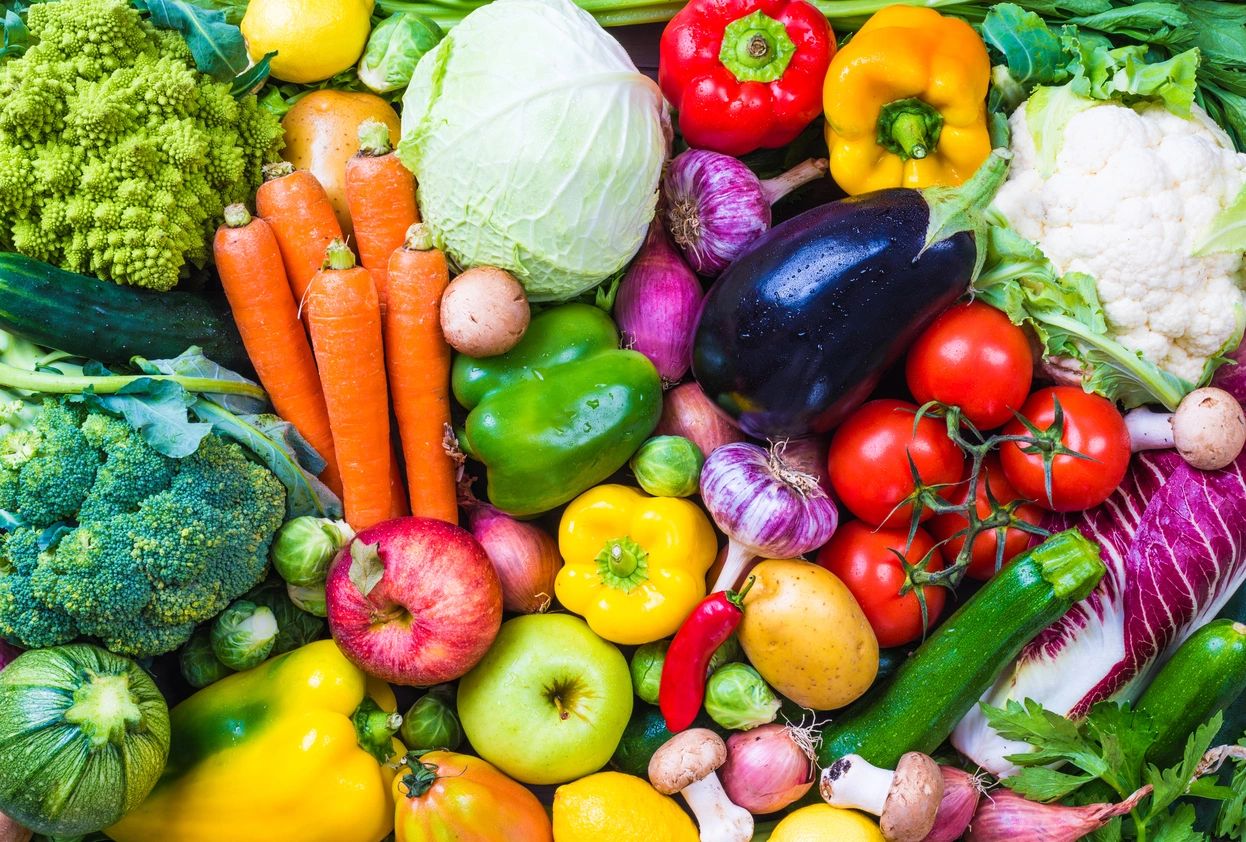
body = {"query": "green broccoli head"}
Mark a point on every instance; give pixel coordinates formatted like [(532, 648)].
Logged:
[(117, 156), (155, 546)]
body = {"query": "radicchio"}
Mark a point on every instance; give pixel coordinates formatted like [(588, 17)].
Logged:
[(8, 653), (1174, 542), (1232, 376)]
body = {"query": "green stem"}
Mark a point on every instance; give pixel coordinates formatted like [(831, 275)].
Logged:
[(64, 384), (104, 709), (623, 564), (375, 729), (964, 208), (338, 257), (374, 139), (909, 128), (756, 48), (237, 216)]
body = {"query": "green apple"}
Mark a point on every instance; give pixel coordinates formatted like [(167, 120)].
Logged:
[(549, 702)]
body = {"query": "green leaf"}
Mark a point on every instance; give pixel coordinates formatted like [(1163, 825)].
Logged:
[(277, 445), (253, 78), (1227, 232), (1047, 112), (1231, 818), (1053, 737), (1042, 784), (1062, 9), (217, 45), (1172, 783), (1146, 22), (1177, 826), (158, 410), (192, 363), (16, 35), (1031, 53), (1124, 736), (366, 569), (1218, 29)]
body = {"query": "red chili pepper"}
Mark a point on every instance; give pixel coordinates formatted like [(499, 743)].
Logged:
[(745, 74), (682, 688)]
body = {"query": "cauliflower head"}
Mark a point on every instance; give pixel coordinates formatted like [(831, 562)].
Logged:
[(1125, 200), (117, 157), (119, 543)]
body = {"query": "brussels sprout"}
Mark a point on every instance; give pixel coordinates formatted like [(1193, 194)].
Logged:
[(295, 626), (431, 723), (244, 635), (738, 698), (304, 546), (200, 666), (646, 667), (310, 599), (668, 466), (394, 49)]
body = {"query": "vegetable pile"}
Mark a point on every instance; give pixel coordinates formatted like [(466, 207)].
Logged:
[(419, 423)]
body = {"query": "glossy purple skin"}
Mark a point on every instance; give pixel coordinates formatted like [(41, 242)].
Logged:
[(657, 306), (724, 197), (760, 510)]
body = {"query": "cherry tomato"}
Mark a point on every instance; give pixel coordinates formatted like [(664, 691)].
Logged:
[(982, 557), (864, 560), (1092, 427), (868, 461), (972, 357)]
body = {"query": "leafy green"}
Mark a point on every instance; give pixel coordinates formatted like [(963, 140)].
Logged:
[(16, 36), (158, 410), (1231, 818), (217, 45), (1227, 233), (1030, 52), (253, 78)]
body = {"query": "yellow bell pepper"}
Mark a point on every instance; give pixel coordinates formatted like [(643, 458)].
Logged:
[(905, 102), (276, 754), (635, 565)]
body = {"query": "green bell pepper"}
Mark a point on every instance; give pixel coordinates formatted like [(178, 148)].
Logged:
[(558, 413)]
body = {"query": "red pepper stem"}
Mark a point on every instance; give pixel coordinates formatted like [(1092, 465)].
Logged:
[(736, 598), (756, 48)]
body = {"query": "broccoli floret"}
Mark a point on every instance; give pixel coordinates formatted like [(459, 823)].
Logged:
[(47, 470), (156, 546), (117, 156)]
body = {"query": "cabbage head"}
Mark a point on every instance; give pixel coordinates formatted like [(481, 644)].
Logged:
[(537, 146)]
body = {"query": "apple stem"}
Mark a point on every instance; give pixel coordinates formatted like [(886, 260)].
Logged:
[(563, 713)]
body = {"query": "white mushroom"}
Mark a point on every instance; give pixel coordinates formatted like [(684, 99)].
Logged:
[(1208, 429), (688, 763), (906, 801), (484, 312)]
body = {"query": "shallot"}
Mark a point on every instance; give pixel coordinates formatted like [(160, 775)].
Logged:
[(525, 556), (687, 412), (768, 768), (657, 306), (1005, 816), (765, 506), (961, 793), (716, 207)]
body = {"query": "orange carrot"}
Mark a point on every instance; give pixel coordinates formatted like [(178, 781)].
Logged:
[(418, 359), (297, 208), (380, 192), (345, 321), (249, 263)]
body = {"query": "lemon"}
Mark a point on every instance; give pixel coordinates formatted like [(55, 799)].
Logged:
[(313, 39), (619, 808), (824, 823)]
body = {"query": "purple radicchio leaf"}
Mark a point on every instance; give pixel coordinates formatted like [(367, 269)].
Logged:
[(1174, 542), (1232, 375)]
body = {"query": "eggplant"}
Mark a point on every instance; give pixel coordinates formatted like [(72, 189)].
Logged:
[(797, 332)]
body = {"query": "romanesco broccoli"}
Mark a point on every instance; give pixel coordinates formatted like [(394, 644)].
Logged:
[(117, 157), (153, 546)]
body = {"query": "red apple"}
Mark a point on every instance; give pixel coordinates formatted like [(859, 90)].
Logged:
[(414, 601)]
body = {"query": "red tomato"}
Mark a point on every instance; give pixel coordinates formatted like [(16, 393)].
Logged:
[(863, 559), (868, 461), (974, 358), (944, 527), (1092, 427)]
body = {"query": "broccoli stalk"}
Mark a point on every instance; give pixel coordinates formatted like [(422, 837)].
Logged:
[(63, 384)]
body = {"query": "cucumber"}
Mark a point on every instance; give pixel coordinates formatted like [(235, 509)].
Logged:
[(108, 322), (945, 677), (1204, 676)]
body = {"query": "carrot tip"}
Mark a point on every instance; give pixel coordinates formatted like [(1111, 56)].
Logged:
[(237, 216), (338, 256), (419, 237), (374, 138), (277, 170)]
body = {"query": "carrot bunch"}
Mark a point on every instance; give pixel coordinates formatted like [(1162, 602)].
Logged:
[(375, 329)]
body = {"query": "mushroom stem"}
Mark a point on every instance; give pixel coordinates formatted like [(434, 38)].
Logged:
[(718, 818), (1149, 430), (853, 782)]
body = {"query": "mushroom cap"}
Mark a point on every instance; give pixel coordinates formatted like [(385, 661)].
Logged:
[(685, 759), (913, 800), (1209, 428)]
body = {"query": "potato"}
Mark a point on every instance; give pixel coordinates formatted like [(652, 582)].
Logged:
[(806, 635), (322, 133), (484, 312)]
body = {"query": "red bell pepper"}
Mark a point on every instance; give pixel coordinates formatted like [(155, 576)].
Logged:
[(745, 74), (682, 687)]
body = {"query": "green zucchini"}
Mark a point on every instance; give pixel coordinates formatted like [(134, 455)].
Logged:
[(1203, 677), (945, 677), (108, 322)]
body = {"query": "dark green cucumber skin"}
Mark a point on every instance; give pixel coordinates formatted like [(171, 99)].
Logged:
[(108, 322), (1203, 677), (941, 681)]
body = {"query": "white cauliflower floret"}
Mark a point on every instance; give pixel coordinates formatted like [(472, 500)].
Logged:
[(1131, 194)]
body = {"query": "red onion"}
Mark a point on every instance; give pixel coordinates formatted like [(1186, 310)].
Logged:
[(1005, 816), (525, 557), (657, 306), (961, 792), (766, 769), (8, 653), (687, 412), (764, 506), (716, 207), (11, 831)]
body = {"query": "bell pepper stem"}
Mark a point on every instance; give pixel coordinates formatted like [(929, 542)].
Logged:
[(623, 564), (909, 128), (756, 48), (375, 729)]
